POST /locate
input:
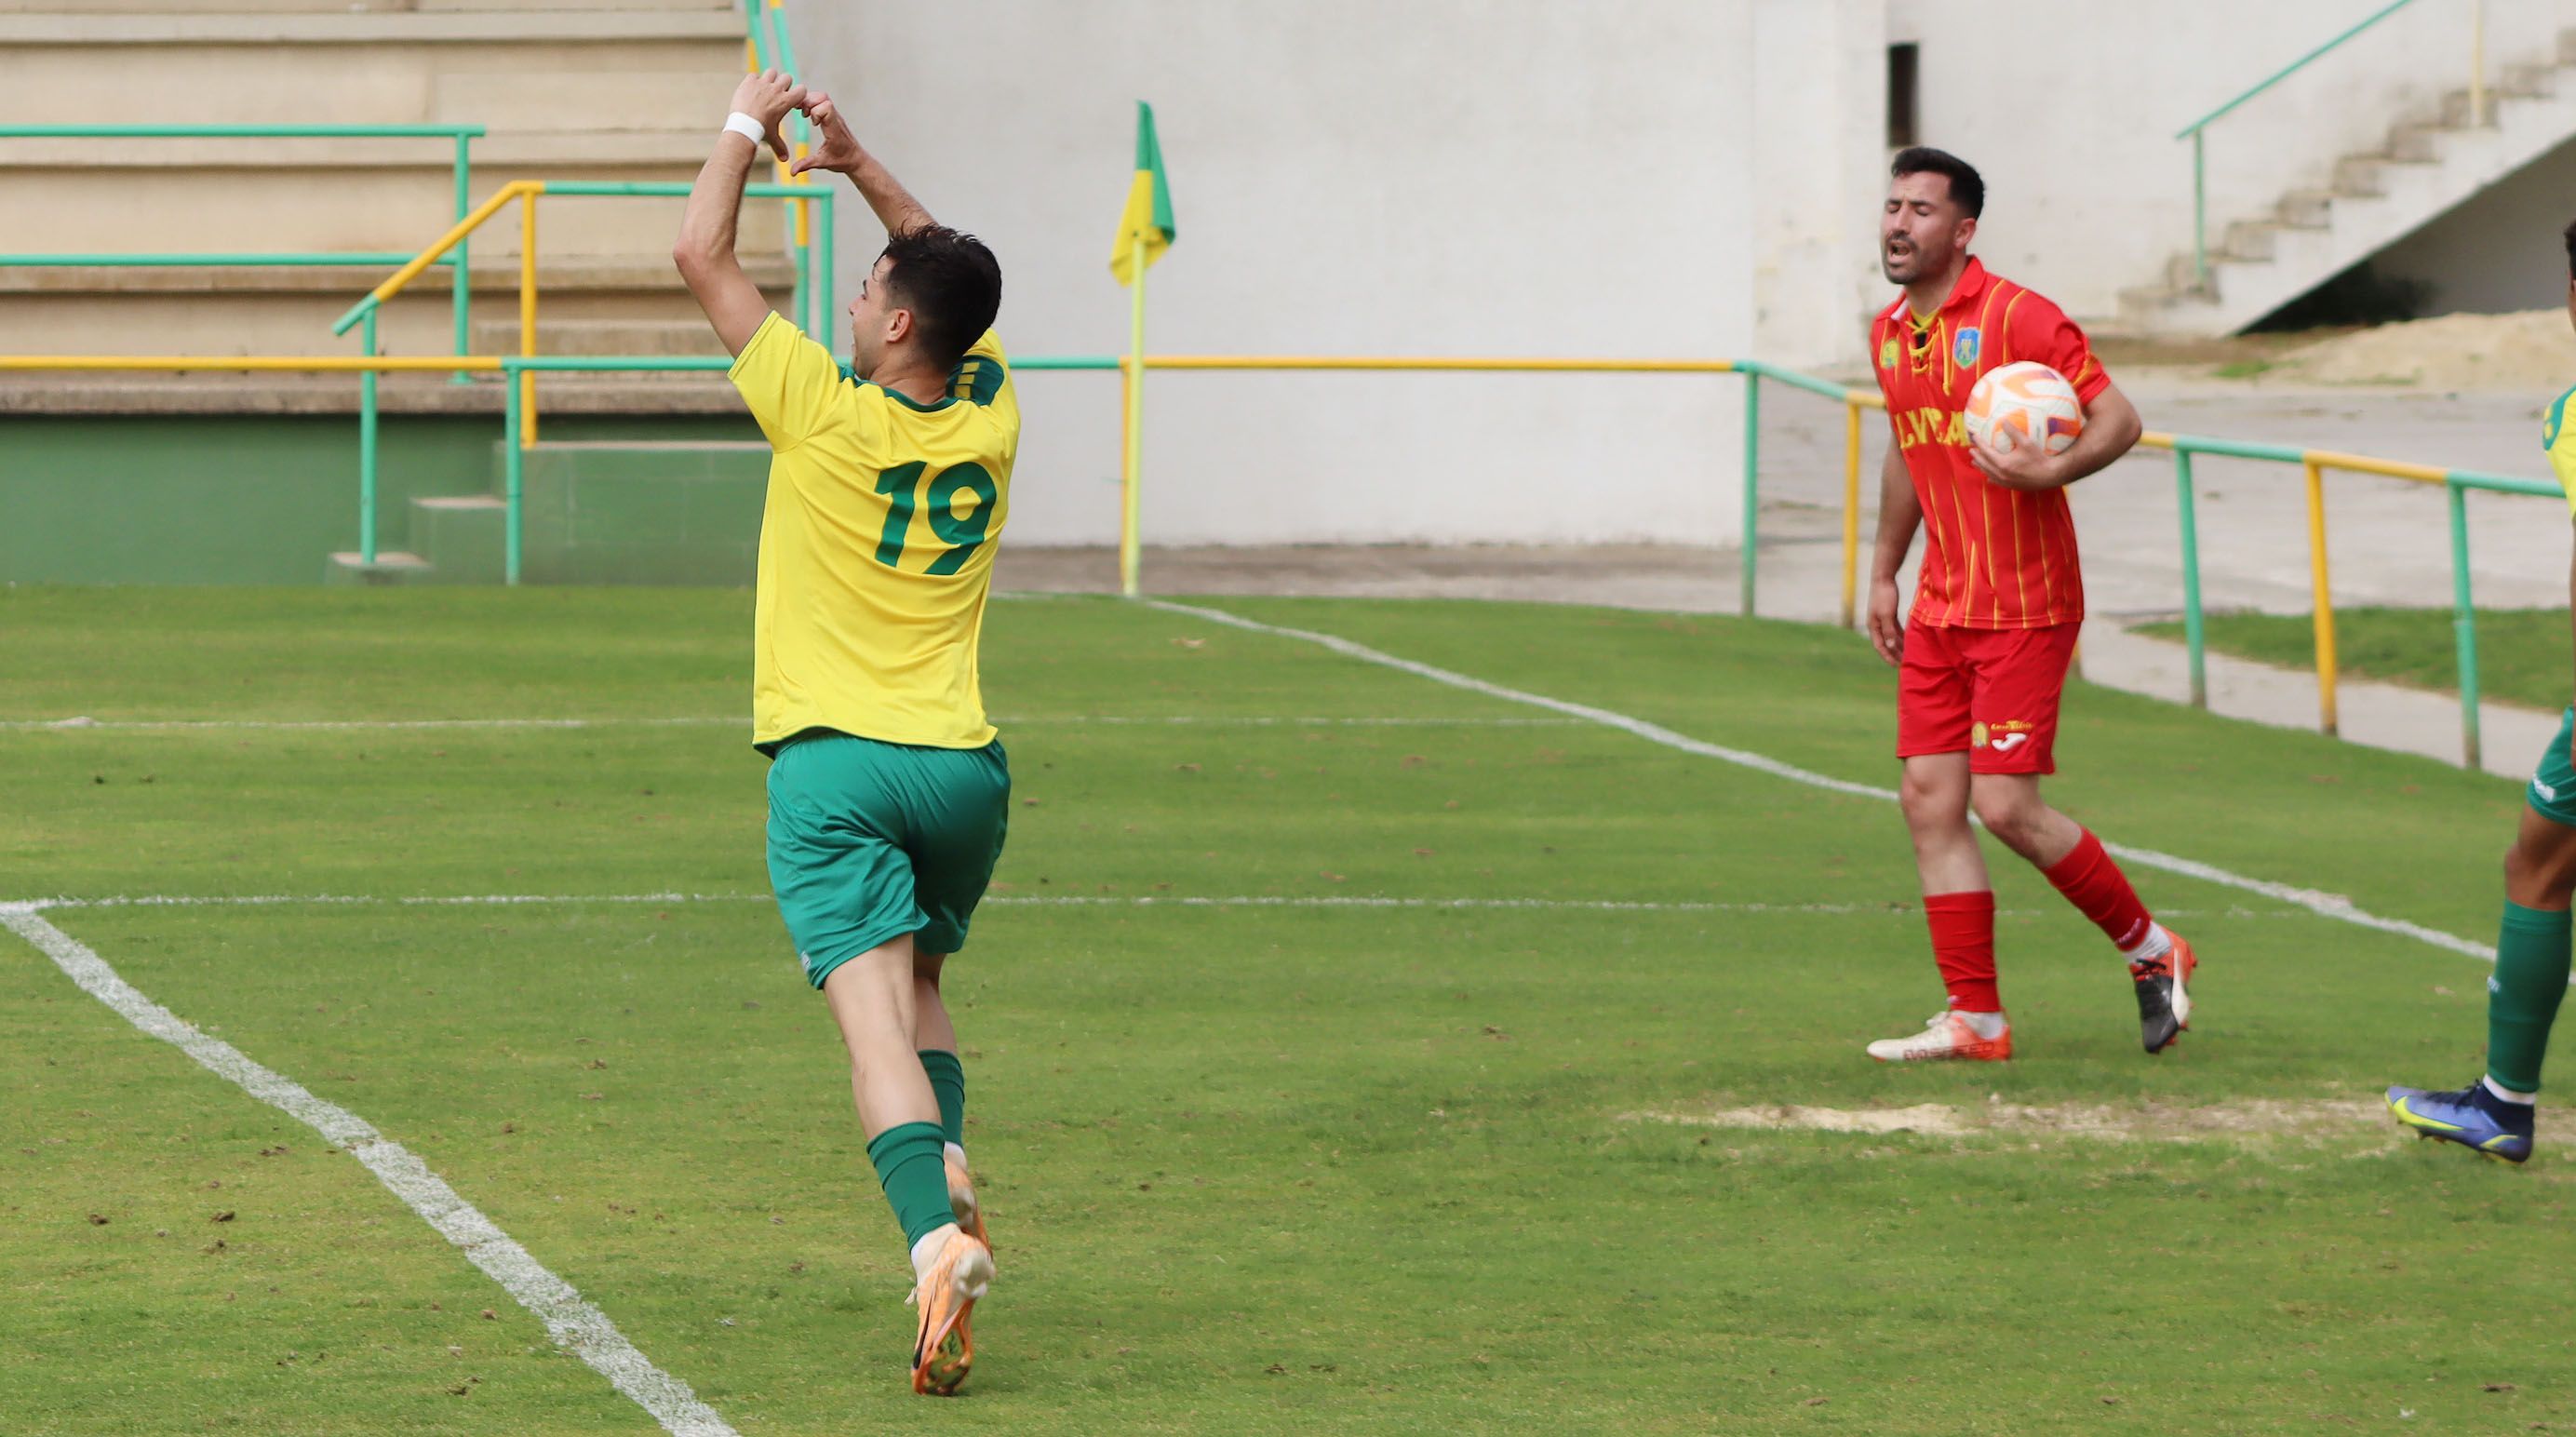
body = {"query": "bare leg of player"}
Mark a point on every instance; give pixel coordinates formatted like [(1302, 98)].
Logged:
[(2160, 963), (1959, 907), (935, 1036), (875, 998)]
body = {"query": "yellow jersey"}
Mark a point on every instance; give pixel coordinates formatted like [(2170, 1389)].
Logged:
[(876, 543), (2560, 444)]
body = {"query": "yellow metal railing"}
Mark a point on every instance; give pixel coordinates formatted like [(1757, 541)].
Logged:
[(2314, 463), (814, 291)]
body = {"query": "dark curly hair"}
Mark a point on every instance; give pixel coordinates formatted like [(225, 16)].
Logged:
[(950, 282), (1967, 187)]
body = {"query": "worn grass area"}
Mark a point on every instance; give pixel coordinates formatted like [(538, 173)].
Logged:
[(1301, 1165), (2525, 656)]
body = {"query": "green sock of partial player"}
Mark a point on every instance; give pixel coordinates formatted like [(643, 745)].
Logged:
[(2523, 997), (948, 1084), (915, 1177)]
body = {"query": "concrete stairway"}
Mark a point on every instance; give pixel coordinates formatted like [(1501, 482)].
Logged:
[(568, 89), (2431, 161)]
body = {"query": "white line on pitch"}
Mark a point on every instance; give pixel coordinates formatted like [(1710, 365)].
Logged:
[(85, 724), (2327, 905), (1039, 900), (574, 1322), (89, 725)]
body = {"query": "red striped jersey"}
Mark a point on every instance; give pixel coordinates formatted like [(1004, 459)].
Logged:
[(1993, 558)]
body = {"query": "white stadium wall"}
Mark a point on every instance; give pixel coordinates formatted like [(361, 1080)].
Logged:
[(1439, 177), (1527, 177)]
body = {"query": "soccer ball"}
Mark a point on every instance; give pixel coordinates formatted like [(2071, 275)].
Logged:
[(2022, 402)]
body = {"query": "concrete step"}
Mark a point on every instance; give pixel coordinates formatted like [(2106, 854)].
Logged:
[(324, 213), (2417, 144), (290, 311), (2248, 240), (107, 27), (725, 7), (568, 278), (461, 536), (2306, 209), (2529, 81), (2358, 177), (392, 566), (675, 335), (347, 7), (532, 153), (147, 392)]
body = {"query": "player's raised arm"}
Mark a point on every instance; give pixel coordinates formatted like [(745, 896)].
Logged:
[(840, 152), (705, 251), (1900, 513)]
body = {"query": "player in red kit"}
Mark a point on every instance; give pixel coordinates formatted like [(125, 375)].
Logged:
[(1983, 654)]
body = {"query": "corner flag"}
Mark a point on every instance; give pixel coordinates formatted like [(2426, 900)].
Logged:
[(1149, 204)]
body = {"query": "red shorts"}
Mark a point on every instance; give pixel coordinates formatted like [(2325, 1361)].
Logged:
[(1990, 692)]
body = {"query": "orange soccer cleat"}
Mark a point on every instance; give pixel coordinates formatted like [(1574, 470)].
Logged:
[(943, 1347), (1947, 1038)]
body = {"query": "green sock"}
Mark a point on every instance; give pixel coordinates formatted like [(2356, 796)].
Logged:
[(948, 1082), (915, 1177), (2523, 997)]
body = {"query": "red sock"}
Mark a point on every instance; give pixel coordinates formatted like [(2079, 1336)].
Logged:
[(1963, 943), (2093, 883)]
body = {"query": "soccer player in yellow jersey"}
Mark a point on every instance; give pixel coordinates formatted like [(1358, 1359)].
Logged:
[(888, 792), (2494, 1115)]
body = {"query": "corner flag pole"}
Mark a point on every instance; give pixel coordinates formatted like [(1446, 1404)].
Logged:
[(1134, 429)]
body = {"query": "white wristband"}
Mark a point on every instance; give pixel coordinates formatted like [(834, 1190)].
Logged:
[(747, 127)]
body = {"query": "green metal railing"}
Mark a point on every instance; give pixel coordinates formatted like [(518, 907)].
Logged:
[(766, 46), (2186, 448), (514, 416), (814, 298), (2456, 484), (462, 167), (2195, 130), (2315, 464)]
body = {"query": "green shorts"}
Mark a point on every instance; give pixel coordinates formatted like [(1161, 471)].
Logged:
[(869, 841), (2552, 793)]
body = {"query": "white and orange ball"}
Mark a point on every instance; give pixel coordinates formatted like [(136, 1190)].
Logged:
[(2024, 403)]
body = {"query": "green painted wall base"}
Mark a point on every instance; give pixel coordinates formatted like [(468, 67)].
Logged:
[(270, 499), (643, 513)]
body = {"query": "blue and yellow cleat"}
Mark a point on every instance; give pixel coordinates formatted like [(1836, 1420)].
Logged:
[(2472, 1117)]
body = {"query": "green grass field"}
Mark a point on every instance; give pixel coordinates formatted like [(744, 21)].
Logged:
[(2525, 656), (1306, 1162)]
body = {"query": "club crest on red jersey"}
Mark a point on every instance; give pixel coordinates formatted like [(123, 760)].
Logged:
[(1971, 343)]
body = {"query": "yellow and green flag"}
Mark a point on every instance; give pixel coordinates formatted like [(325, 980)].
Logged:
[(1149, 204)]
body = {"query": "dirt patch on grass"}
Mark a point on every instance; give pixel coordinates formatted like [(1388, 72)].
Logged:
[(2531, 350), (2130, 1122)]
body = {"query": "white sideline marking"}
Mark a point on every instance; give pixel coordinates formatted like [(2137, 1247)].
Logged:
[(2327, 905), (573, 1322), (85, 724), (1045, 900)]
